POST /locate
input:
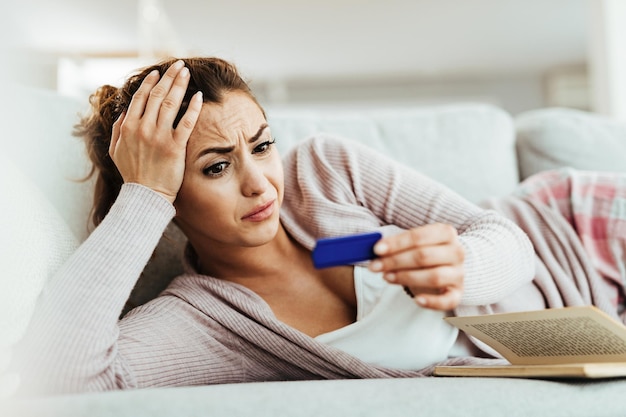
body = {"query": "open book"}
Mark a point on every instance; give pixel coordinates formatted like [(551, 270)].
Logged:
[(570, 342)]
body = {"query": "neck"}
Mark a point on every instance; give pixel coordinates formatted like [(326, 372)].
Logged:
[(254, 267)]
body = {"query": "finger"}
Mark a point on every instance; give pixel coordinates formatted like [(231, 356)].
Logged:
[(449, 300), (432, 234), (115, 133), (170, 106), (189, 119), (432, 278), (160, 94), (420, 257), (138, 102)]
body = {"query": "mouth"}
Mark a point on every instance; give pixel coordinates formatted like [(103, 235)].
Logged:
[(260, 213)]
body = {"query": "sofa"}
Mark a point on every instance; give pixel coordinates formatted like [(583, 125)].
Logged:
[(479, 150)]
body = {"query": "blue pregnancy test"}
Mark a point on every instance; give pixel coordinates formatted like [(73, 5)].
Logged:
[(345, 250)]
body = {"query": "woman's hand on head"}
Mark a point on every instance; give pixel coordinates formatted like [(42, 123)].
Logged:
[(145, 147), (428, 261)]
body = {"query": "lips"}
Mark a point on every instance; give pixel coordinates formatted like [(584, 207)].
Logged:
[(260, 212)]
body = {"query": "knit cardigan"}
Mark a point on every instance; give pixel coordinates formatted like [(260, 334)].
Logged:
[(202, 330)]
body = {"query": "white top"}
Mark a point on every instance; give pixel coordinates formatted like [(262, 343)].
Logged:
[(391, 330)]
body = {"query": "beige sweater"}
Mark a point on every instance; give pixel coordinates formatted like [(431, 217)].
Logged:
[(202, 330)]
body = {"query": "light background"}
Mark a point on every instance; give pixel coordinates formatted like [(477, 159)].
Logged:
[(518, 54)]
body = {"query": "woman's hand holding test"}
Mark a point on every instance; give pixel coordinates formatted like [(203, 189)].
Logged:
[(428, 260), (145, 147)]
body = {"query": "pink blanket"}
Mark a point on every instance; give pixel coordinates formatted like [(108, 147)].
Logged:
[(577, 222)]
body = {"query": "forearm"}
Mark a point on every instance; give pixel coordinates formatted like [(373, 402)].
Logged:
[(70, 342), (499, 258)]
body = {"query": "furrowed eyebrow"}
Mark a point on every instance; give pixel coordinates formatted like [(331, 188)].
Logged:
[(228, 149), (257, 135)]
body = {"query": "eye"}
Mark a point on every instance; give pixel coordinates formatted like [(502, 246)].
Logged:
[(264, 147), (215, 170)]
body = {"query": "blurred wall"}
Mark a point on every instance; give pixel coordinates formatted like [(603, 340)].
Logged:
[(518, 54)]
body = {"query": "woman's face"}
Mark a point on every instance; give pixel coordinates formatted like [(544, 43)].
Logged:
[(233, 184)]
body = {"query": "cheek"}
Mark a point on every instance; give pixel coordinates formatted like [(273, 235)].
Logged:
[(277, 178), (281, 190), (200, 201), (197, 200), (184, 198)]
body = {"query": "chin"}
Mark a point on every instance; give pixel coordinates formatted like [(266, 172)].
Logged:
[(263, 235)]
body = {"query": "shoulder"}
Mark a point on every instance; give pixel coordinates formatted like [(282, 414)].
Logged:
[(326, 148), (325, 143)]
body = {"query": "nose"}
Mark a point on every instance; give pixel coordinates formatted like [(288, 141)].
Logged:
[(253, 179)]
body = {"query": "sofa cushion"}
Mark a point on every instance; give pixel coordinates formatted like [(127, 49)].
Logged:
[(468, 147), (438, 397), (38, 138), (35, 243), (558, 137)]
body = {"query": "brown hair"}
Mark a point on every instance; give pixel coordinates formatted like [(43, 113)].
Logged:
[(213, 76)]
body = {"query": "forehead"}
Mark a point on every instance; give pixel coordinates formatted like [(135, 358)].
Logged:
[(237, 112)]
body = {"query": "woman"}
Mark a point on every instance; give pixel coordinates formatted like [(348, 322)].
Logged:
[(186, 140)]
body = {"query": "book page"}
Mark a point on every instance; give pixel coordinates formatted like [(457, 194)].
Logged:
[(551, 336)]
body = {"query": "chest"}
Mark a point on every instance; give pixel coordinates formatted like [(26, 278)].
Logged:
[(316, 304)]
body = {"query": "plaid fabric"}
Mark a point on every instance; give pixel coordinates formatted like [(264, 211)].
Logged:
[(594, 203)]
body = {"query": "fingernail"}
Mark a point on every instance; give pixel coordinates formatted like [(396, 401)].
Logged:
[(376, 266), (381, 248), (184, 72), (178, 64)]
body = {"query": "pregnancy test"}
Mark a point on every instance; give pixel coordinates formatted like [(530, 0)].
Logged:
[(345, 250)]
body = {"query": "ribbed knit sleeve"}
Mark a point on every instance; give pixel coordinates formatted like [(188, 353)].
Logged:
[(70, 344), (336, 186)]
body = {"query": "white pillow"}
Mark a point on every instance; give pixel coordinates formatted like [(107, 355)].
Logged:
[(468, 147), (557, 137), (35, 243)]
